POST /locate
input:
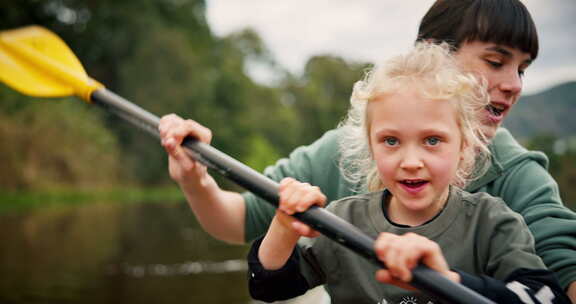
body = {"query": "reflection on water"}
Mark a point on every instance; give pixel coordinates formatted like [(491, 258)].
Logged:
[(183, 269), (116, 253)]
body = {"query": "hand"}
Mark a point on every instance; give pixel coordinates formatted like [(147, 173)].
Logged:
[(298, 197), (401, 254), (284, 231), (173, 129)]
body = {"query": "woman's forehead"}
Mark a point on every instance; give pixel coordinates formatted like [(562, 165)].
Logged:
[(487, 46)]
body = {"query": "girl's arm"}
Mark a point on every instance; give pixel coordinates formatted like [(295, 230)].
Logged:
[(277, 245), (274, 272), (275, 285), (402, 253), (316, 163), (285, 231)]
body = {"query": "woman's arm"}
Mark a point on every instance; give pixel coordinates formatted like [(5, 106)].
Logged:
[(512, 268), (530, 190), (235, 217), (521, 286), (221, 213)]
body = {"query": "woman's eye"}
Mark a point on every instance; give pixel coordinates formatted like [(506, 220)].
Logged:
[(391, 141), (495, 64), (521, 73), (432, 141)]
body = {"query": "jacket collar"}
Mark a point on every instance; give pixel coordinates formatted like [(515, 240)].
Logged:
[(494, 171)]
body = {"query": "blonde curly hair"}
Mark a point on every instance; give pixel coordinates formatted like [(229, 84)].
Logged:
[(431, 69)]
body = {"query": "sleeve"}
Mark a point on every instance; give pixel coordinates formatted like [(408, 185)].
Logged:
[(274, 285), (315, 164), (521, 286), (530, 190)]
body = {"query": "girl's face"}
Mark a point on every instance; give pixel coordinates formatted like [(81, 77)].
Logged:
[(503, 68), (416, 144)]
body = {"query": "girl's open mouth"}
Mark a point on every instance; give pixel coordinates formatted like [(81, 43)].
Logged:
[(413, 186)]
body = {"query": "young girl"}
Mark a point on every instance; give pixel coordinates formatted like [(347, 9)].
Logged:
[(414, 122)]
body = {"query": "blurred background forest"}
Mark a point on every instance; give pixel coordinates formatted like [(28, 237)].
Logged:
[(163, 56)]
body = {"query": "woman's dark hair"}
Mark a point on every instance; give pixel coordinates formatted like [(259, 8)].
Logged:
[(504, 22)]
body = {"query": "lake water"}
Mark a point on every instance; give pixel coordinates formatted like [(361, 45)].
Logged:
[(116, 253)]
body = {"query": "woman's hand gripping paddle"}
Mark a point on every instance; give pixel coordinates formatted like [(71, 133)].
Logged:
[(36, 62)]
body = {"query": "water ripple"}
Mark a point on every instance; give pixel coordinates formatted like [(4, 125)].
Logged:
[(180, 269)]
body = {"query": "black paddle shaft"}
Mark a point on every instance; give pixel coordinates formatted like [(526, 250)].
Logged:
[(321, 220)]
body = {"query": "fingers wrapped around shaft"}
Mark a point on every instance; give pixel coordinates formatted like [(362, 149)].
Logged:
[(173, 130), (401, 254), (296, 197)]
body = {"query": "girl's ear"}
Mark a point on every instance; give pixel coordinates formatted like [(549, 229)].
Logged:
[(464, 147)]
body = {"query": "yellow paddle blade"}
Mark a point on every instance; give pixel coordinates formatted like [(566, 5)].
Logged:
[(36, 62)]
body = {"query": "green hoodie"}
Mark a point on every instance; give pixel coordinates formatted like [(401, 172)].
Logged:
[(518, 176)]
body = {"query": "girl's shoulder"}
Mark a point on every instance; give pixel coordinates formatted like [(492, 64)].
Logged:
[(346, 207), (486, 206)]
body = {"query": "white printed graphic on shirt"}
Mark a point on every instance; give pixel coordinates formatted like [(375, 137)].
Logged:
[(544, 295), (406, 300)]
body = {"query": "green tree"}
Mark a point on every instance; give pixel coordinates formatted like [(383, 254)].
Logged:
[(321, 96), (48, 144), (162, 55)]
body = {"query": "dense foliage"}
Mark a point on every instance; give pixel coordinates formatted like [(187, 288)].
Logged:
[(162, 55)]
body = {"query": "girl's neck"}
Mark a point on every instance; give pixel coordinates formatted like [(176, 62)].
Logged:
[(399, 214)]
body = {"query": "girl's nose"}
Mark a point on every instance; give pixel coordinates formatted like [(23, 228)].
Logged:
[(411, 161)]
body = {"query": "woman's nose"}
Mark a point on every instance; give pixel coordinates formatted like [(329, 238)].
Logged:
[(511, 84)]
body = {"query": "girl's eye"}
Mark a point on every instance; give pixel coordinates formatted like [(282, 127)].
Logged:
[(391, 141), (432, 141)]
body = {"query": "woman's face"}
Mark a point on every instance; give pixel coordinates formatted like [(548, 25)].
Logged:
[(503, 68)]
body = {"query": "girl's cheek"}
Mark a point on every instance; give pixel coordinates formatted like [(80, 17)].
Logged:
[(385, 168), (445, 167)]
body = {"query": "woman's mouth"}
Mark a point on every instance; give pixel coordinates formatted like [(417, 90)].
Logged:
[(496, 112)]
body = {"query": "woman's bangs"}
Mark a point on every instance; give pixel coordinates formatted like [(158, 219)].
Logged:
[(502, 22)]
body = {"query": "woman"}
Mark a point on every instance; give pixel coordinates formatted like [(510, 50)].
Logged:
[(414, 122)]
